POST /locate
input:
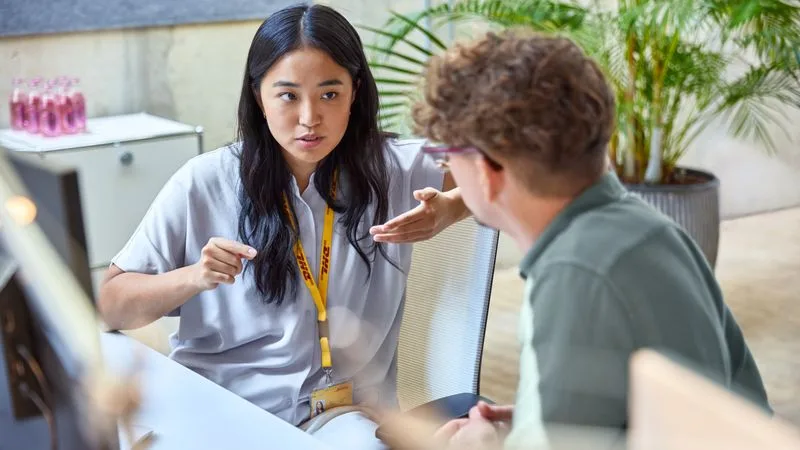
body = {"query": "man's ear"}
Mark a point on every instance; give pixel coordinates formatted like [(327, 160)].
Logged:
[(492, 181)]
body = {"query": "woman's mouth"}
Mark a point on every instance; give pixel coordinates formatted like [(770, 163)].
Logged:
[(309, 141)]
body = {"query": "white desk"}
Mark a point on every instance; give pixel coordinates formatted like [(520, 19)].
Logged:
[(187, 411)]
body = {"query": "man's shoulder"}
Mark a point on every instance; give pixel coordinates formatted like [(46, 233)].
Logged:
[(605, 238), (626, 257)]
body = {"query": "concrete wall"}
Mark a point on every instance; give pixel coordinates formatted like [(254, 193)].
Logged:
[(193, 74), (190, 73), (187, 73), (751, 179)]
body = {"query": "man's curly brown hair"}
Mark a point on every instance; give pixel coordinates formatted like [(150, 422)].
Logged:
[(536, 102)]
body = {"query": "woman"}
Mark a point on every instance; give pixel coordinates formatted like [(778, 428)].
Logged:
[(217, 247)]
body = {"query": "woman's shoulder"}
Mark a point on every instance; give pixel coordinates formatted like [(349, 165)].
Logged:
[(396, 143), (403, 153), (212, 168)]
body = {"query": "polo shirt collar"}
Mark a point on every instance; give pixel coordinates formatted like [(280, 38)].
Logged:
[(606, 190)]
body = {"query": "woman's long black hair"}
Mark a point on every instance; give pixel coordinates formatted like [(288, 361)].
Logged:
[(265, 175)]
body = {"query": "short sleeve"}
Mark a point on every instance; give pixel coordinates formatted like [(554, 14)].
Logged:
[(158, 244), (415, 169), (582, 339)]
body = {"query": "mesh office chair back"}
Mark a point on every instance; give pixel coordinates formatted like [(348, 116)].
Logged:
[(447, 302)]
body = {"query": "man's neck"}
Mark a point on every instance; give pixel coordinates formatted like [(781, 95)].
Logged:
[(530, 216)]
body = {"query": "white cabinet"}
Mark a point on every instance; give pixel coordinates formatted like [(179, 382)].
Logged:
[(122, 163)]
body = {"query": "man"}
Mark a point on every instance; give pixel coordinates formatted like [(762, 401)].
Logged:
[(524, 122)]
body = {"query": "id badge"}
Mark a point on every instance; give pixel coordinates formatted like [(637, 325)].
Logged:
[(331, 397)]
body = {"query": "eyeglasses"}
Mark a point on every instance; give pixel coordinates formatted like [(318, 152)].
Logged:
[(440, 154)]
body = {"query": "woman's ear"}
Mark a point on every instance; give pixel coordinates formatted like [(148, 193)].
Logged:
[(356, 85), (257, 95)]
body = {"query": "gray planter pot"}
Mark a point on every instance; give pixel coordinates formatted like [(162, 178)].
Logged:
[(695, 207)]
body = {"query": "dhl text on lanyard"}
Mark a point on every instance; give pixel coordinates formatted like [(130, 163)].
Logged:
[(319, 290)]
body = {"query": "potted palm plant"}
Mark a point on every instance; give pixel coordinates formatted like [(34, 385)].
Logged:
[(676, 66)]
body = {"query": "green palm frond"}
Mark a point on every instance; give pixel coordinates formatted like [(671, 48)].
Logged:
[(414, 25), (393, 93), (392, 105), (541, 15), (668, 61), (396, 38), (390, 115), (394, 68), (508, 12), (396, 54), (769, 28), (395, 81), (752, 104)]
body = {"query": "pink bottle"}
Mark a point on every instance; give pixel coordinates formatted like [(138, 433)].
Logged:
[(78, 106), (16, 104), (65, 106), (49, 117), (33, 108)]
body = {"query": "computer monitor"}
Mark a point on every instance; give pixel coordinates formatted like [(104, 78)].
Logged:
[(55, 192), (40, 398)]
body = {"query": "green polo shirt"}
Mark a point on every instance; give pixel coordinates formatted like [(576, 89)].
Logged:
[(608, 276)]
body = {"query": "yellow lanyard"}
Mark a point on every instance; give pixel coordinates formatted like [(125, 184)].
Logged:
[(319, 291)]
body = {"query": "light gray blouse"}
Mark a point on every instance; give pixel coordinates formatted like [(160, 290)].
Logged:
[(270, 354)]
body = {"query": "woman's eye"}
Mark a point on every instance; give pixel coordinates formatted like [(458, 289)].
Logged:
[(287, 96), (330, 95)]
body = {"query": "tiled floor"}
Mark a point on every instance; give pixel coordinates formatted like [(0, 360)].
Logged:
[(759, 270)]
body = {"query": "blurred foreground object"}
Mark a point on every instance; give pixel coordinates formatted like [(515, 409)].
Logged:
[(44, 299), (673, 408), (421, 431)]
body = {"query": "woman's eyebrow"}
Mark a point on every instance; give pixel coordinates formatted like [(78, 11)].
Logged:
[(331, 82)]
